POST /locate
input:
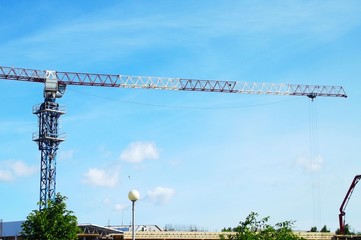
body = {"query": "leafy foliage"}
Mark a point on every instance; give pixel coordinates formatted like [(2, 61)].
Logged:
[(324, 229), (254, 229), (52, 223), (347, 230)]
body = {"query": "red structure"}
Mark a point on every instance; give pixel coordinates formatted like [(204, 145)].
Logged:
[(342, 214)]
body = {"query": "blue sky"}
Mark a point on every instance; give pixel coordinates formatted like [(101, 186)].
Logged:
[(202, 159)]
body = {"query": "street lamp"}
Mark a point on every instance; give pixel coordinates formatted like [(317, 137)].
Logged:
[(133, 196)]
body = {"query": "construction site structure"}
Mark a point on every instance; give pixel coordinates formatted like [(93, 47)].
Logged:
[(154, 232), (342, 215), (48, 137)]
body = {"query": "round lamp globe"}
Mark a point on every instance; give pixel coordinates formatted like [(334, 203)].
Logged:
[(133, 195)]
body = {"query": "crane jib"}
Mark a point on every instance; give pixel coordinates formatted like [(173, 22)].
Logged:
[(127, 81)]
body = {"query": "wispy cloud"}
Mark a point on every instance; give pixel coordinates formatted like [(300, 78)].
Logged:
[(102, 178), (137, 152), (120, 207), (310, 165), (161, 195), (117, 207), (286, 17), (5, 175), (314, 20), (11, 169), (104, 151), (66, 155)]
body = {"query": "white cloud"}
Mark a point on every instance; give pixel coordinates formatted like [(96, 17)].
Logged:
[(310, 165), (137, 152), (104, 151), (106, 201), (19, 168), (66, 155), (161, 195), (101, 178), (11, 169), (5, 175), (311, 20), (120, 207)]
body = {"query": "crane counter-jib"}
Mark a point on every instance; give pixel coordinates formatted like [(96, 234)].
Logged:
[(127, 81)]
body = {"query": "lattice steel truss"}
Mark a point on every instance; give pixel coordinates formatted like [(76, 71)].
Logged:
[(48, 137), (126, 81)]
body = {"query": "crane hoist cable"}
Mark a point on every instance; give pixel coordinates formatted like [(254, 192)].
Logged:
[(315, 161)]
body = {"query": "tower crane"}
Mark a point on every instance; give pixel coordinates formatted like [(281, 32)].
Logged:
[(48, 137)]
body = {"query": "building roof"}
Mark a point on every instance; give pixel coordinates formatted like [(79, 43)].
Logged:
[(10, 229), (100, 230)]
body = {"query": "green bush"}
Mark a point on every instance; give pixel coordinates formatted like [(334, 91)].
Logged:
[(52, 223), (254, 229)]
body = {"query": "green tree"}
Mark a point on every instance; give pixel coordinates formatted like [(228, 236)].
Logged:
[(347, 230), (324, 229), (313, 229), (229, 229), (254, 229), (52, 223)]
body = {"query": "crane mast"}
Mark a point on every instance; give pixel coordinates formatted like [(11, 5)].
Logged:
[(48, 138)]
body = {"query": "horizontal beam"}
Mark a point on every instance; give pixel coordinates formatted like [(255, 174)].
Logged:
[(182, 84)]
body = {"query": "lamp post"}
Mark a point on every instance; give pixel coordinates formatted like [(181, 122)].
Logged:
[(133, 196)]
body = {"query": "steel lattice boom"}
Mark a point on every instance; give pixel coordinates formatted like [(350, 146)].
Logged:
[(48, 138), (126, 81)]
